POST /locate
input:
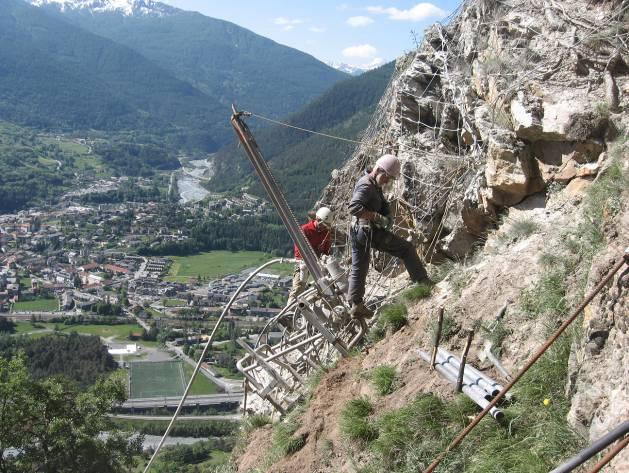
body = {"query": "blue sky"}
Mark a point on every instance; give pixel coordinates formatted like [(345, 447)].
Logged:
[(356, 33)]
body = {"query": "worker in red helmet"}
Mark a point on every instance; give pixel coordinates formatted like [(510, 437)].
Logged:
[(318, 233), (371, 230)]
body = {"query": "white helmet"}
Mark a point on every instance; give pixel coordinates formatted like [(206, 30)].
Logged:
[(389, 164), (325, 216)]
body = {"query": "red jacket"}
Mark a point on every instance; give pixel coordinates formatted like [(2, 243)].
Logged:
[(318, 238)]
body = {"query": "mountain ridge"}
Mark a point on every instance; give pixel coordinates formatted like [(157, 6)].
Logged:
[(228, 63), (126, 7)]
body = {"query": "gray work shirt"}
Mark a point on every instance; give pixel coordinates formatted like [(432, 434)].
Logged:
[(367, 196)]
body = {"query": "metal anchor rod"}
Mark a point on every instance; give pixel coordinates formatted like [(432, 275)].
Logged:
[(277, 197)]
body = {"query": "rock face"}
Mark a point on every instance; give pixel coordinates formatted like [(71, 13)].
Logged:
[(600, 371), (518, 94), (495, 107)]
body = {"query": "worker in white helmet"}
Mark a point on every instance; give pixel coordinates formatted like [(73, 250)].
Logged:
[(318, 233), (371, 229)]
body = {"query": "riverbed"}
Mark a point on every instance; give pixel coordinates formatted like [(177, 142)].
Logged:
[(190, 179)]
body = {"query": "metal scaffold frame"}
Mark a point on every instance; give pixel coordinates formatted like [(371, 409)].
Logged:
[(315, 330)]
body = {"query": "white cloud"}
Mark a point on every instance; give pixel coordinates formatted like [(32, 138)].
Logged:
[(362, 50), (358, 21), (316, 29), (342, 7), (419, 12), (287, 24)]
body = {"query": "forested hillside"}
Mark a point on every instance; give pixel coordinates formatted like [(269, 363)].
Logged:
[(79, 358), (55, 75), (301, 161), (226, 62)]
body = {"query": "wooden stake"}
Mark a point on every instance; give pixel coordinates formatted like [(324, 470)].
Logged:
[(433, 359), (459, 381)]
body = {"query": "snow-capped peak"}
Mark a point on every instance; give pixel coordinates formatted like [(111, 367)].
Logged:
[(348, 68), (125, 7)]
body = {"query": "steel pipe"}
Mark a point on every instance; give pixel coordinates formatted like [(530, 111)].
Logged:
[(468, 377), (596, 446), (495, 386), (469, 391)]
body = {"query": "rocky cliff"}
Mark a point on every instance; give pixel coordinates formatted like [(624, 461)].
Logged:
[(511, 123)]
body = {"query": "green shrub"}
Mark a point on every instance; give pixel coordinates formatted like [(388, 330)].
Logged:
[(547, 296), (393, 317), (376, 334), (354, 420), (418, 291), (383, 378)]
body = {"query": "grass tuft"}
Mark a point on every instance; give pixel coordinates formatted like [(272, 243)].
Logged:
[(383, 378), (418, 424), (517, 230), (284, 440), (393, 317), (355, 423), (254, 422), (417, 292)]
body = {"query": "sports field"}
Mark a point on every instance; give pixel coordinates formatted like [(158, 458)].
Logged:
[(154, 379), (165, 378), (213, 264), (37, 305)]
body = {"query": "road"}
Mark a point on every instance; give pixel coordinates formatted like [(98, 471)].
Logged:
[(231, 417), (39, 316), (173, 401)]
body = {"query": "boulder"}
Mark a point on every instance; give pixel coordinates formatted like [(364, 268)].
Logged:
[(472, 220), (511, 172), (558, 152), (526, 115), (577, 187), (588, 170), (571, 118)]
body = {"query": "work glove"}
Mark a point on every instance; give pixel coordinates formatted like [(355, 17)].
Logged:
[(383, 222)]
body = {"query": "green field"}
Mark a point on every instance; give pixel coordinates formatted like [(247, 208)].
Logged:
[(26, 327), (156, 379), (165, 378), (213, 264), (120, 332), (201, 384), (174, 303), (37, 305)]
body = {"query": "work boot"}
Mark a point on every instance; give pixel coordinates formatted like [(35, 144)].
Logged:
[(360, 311)]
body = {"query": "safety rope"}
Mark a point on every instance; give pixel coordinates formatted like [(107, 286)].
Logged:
[(623, 260), (288, 125)]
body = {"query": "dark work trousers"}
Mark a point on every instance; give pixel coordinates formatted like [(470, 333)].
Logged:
[(364, 238)]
